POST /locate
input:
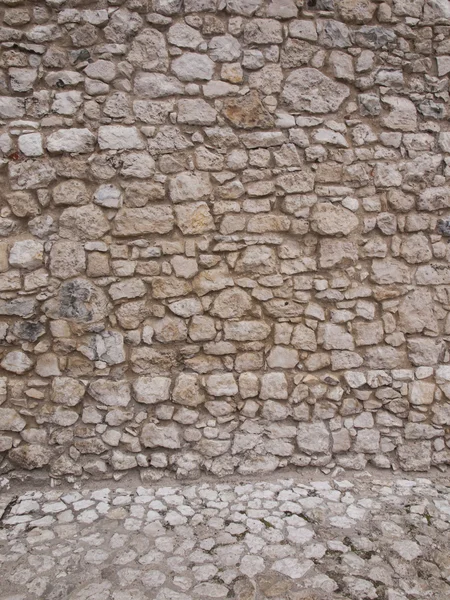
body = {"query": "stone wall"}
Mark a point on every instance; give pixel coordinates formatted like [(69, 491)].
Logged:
[(224, 235)]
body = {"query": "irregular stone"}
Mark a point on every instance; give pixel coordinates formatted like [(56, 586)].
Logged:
[(247, 112), (79, 301), (30, 456), (26, 254), (83, 223), (313, 438), (191, 66), (67, 391), (110, 393), (67, 259), (16, 362), (10, 420), (148, 51), (141, 221), (189, 186), (118, 137), (329, 219), (76, 141), (164, 436), (151, 390), (194, 218), (310, 91)]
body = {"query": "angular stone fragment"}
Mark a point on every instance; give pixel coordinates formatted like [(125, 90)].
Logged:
[(141, 221), (118, 137), (67, 391), (196, 112), (224, 48), (184, 36), (247, 112), (263, 31), (31, 174), (26, 254), (194, 218), (415, 456), (156, 85), (78, 300), (212, 280), (75, 141), (149, 52), (67, 259), (164, 436), (313, 438), (337, 252), (246, 8), (83, 223), (310, 91), (331, 219), (10, 420), (274, 386), (434, 198), (356, 11), (191, 66), (388, 271), (297, 182), (403, 114), (169, 287), (30, 456), (416, 313), (23, 204), (110, 393), (246, 330), (16, 362), (189, 186), (231, 303), (151, 390), (221, 385)]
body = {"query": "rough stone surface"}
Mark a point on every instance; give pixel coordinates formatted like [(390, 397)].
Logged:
[(361, 537), (224, 246)]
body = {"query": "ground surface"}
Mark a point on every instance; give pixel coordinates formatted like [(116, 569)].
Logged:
[(353, 536)]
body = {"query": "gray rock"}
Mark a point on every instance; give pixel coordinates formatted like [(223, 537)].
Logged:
[(311, 91)]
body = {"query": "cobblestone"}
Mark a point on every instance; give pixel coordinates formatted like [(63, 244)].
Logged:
[(349, 537)]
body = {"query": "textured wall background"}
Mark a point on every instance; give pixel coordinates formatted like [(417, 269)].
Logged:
[(224, 235)]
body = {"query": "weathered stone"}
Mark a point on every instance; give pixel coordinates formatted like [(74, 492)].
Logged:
[(415, 456), (247, 112), (67, 391), (310, 91), (110, 393), (76, 141), (148, 51), (10, 420), (313, 438), (30, 456), (151, 390), (165, 436), (329, 219), (192, 66), (83, 223), (194, 218), (77, 300), (16, 362), (67, 259), (139, 221), (26, 254), (246, 330)]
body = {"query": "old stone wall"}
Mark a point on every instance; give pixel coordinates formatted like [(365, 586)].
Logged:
[(224, 235)]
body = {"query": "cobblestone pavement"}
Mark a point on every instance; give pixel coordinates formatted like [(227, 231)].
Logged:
[(349, 537)]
